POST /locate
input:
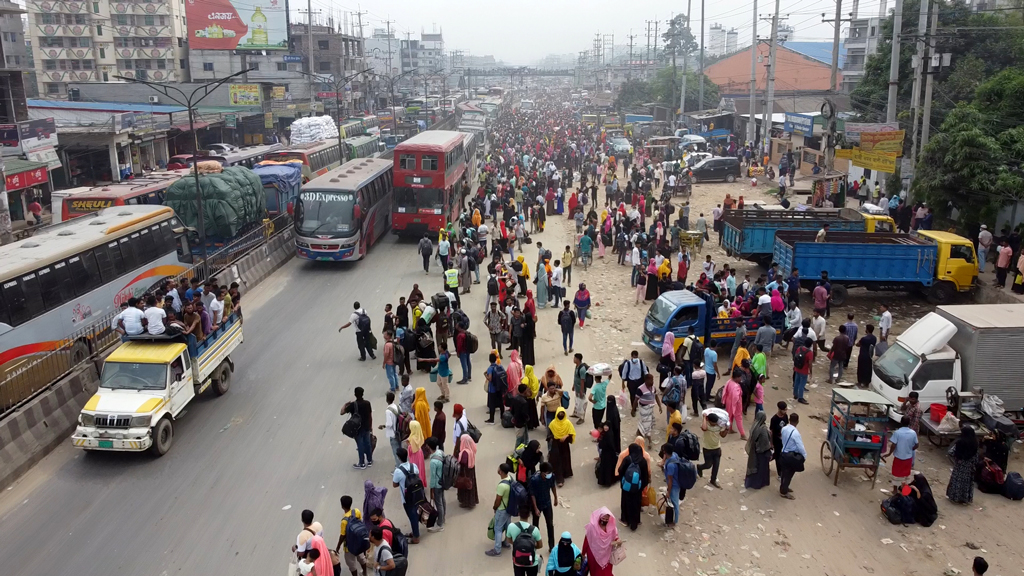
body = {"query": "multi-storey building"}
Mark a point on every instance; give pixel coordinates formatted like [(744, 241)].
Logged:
[(424, 55), (100, 41), (861, 42)]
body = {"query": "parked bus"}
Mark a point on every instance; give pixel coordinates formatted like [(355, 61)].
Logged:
[(526, 105), (471, 145), (430, 181), (496, 91), (413, 105), (362, 146), (317, 157), (68, 278), (250, 155), (339, 215), (148, 189)]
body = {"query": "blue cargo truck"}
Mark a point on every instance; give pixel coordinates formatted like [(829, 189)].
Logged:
[(750, 233), (939, 264), (679, 310)]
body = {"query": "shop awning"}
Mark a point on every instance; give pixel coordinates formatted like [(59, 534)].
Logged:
[(196, 125), (20, 174)]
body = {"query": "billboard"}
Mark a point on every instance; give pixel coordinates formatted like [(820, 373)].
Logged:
[(39, 141), (237, 24), (799, 124), (891, 141), (854, 129), (244, 94)]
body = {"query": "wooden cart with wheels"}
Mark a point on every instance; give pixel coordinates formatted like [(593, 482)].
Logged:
[(857, 426), (692, 240)]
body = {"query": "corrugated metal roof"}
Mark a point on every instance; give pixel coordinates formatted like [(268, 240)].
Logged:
[(17, 165), (105, 106)]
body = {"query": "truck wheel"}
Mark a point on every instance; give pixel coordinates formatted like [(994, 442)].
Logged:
[(222, 379), (163, 437), (941, 293), (730, 178), (839, 294)]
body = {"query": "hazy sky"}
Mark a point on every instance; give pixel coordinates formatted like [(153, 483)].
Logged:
[(523, 31)]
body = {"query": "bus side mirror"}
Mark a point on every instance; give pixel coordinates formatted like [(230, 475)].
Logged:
[(357, 212)]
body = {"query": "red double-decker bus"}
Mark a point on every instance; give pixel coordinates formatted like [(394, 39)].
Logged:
[(430, 181)]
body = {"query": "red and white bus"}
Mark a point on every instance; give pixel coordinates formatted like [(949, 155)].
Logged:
[(148, 189), (430, 181)]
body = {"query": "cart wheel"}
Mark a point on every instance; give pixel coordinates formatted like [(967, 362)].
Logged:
[(827, 461)]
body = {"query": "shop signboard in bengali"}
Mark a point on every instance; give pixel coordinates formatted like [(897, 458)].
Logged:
[(268, 120), (237, 25), (124, 122), (27, 179), (844, 153), (277, 93), (244, 95), (882, 162), (46, 156), (855, 129), (230, 120), (292, 58), (36, 134), (890, 141), (799, 124)]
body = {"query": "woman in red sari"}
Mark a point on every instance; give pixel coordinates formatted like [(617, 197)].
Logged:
[(573, 202), (602, 537)]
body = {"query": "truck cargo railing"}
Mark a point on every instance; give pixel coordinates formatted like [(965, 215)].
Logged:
[(85, 344), (737, 218), (791, 237)]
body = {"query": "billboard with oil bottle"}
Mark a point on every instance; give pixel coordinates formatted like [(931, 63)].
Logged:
[(237, 24)]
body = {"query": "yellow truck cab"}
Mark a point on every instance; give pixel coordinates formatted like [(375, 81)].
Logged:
[(146, 383), (879, 223), (957, 266)]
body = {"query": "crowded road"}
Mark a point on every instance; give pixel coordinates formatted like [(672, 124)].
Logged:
[(216, 503)]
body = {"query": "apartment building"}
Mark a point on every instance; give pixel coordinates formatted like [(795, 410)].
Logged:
[(102, 40), (860, 43)]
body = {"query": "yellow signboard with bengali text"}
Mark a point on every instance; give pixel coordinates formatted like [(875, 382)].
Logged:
[(891, 141), (277, 93), (882, 162), (244, 94), (844, 153)]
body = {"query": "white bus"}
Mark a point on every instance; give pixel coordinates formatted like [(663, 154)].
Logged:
[(526, 105), (339, 215), (59, 288)]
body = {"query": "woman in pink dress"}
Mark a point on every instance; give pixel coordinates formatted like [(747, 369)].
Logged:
[(415, 448), (514, 372), (602, 537), (732, 397)]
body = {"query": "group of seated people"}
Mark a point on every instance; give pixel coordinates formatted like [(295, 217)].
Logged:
[(194, 313)]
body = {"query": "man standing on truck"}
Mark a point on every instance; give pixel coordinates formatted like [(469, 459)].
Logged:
[(362, 322), (822, 235)]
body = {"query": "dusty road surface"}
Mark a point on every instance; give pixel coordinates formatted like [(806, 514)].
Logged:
[(226, 499)]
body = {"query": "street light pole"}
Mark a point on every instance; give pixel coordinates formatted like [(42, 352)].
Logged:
[(190, 101)]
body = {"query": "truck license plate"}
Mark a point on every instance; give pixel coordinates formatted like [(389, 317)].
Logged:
[(106, 443)]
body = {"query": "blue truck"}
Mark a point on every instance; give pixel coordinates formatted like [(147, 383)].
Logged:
[(750, 233), (678, 310), (282, 182), (940, 264)]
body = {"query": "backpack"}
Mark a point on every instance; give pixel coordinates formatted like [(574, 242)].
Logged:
[(472, 343), (357, 536), (450, 469), (401, 562), (800, 357), (688, 445), (1013, 487), (402, 420), (414, 493), (891, 512), (500, 379), (399, 542), (399, 353), (565, 320), (588, 378), (517, 496), (351, 426), (524, 547), (696, 351), (461, 319), (362, 322), (686, 474), (673, 393), (631, 479), (492, 286), (473, 432)]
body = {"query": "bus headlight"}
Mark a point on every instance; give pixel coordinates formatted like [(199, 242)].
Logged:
[(301, 244), (87, 419), (141, 421)]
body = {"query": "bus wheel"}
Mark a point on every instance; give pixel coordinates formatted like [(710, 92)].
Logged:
[(79, 352), (941, 293), (222, 379), (839, 294), (163, 437)]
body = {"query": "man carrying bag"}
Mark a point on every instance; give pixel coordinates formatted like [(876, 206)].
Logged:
[(793, 455)]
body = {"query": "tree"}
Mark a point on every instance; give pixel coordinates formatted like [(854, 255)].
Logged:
[(632, 93), (665, 88), (678, 38)]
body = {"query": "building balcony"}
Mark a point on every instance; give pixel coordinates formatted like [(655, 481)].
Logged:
[(152, 75), (140, 8), (67, 76), (144, 31), (76, 30), (852, 41), (58, 7), (66, 53), (144, 53)]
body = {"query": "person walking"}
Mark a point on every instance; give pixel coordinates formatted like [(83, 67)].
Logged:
[(496, 386), (465, 359), (602, 538), (388, 361), (964, 453), (793, 455), (565, 558), (543, 497), (407, 478), (838, 355), (803, 362), (502, 494), (635, 476), (426, 250), (362, 410), (561, 435), (443, 249), (363, 333), (567, 320), (779, 420), (465, 483), (759, 454), (579, 388), (713, 434), (436, 464), (526, 543), (733, 398), (1003, 262), (390, 426), (356, 562), (497, 324)]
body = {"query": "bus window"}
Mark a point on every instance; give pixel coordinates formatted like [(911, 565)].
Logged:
[(184, 252), (55, 285), (84, 273), (145, 246), (407, 162), (428, 162), (23, 299), (4, 317), (128, 253)]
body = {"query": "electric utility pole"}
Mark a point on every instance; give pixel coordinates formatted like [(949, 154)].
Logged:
[(629, 65), (919, 67), (700, 99), (837, 22), (752, 113), (679, 40), (894, 62), (769, 108)]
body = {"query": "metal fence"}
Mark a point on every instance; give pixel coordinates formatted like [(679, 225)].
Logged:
[(39, 373)]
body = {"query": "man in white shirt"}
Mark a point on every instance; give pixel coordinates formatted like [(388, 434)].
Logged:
[(155, 317), (309, 529), (671, 182), (632, 371), (984, 244), (709, 267), (209, 294), (217, 308), (818, 326), (634, 257), (792, 444), (884, 323), (556, 282), (115, 322), (172, 291), (390, 422), (132, 317), (443, 247)]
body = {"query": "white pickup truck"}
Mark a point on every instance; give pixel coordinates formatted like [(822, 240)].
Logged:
[(975, 347), (146, 384)]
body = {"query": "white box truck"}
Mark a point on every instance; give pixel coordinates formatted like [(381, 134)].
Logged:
[(975, 347)]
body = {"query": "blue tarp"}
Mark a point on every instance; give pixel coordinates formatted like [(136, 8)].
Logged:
[(284, 176)]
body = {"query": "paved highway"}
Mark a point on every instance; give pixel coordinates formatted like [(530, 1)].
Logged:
[(215, 503)]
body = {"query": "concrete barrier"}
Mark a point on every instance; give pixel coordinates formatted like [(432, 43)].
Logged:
[(30, 433), (33, 431)]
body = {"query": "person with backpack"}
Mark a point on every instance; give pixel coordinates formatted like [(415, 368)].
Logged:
[(496, 386), (354, 537), (360, 428), (542, 488), (632, 372), (407, 478), (567, 320), (803, 364), (526, 544), (503, 497), (364, 336), (436, 463), (582, 380), (635, 475), (385, 560), (681, 475)]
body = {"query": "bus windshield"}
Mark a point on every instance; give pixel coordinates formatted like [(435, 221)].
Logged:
[(134, 376), (413, 199), (325, 214)]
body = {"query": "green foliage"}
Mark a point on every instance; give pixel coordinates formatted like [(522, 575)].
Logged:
[(633, 93), (678, 38), (664, 88)]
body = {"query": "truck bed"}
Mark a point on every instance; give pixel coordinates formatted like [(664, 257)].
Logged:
[(990, 341), (750, 233), (858, 258), (208, 354)]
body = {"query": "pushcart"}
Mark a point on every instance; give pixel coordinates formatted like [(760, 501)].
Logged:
[(693, 240), (857, 427)]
